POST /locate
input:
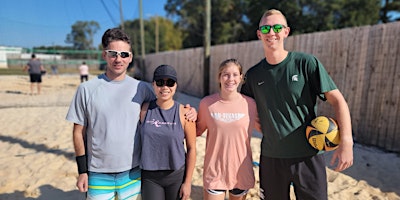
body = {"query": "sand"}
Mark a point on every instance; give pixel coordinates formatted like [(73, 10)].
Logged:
[(37, 156)]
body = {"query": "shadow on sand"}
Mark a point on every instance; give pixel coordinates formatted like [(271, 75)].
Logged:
[(36, 147), (46, 192)]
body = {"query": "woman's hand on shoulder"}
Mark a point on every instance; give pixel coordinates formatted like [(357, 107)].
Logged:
[(190, 113)]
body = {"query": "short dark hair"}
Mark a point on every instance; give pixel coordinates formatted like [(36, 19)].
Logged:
[(114, 34), (33, 56)]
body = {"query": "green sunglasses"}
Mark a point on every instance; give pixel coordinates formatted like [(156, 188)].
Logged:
[(277, 28)]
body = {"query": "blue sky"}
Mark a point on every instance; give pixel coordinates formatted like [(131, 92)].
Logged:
[(30, 23)]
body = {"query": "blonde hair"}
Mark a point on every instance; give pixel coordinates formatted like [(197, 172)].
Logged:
[(272, 12), (225, 64)]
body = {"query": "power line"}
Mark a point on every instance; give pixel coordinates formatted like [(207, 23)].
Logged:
[(108, 12)]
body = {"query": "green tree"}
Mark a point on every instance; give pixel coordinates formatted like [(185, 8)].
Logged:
[(389, 6), (305, 16), (81, 36), (255, 9), (169, 36), (190, 19), (227, 23), (172, 36), (238, 20), (357, 13)]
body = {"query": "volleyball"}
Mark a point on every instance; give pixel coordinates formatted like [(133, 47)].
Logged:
[(323, 134)]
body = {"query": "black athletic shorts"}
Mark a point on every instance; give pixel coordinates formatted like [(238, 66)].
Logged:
[(35, 78), (162, 184), (307, 175)]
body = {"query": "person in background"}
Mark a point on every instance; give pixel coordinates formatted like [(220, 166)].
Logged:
[(54, 70), (84, 72), (105, 112), (285, 86), (35, 69), (167, 169), (229, 118)]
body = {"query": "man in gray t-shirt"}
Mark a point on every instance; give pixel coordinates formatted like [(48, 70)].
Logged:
[(105, 113), (35, 69)]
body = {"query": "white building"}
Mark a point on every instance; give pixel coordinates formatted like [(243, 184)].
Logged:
[(17, 55), (8, 51)]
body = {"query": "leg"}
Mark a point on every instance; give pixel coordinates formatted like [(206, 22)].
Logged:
[(237, 198), (172, 183), (151, 189), (234, 197), (38, 88), (310, 180), (237, 194), (274, 179), (32, 86), (32, 80), (101, 186), (214, 194), (128, 184), (39, 81)]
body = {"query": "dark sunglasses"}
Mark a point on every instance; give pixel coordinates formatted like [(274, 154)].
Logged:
[(277, 28), (114, 54), (162, 82)]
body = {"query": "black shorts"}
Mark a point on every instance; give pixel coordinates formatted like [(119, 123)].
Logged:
[(235, 192), (35, 78), (308, 176), (84, 77), (163, 184)]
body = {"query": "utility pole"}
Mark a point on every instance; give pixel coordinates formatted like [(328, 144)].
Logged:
[(207, 47), (142, 36), (157, 35), (121, 15)]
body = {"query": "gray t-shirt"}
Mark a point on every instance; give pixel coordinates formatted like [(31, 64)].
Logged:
[(110, 112), (34, 66)]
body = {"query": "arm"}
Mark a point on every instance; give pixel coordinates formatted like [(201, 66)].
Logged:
[(344, 154), (257, 124), (79, 146), (246, 89), (143, 111), (190, 138), (26, 68), (191, 113), (201, 124)]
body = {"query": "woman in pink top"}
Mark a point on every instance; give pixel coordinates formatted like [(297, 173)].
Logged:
[(230, 118)]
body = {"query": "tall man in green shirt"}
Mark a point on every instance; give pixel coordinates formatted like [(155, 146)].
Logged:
[(285, 86)]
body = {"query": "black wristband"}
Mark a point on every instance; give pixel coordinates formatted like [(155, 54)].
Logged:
[(82, 164)]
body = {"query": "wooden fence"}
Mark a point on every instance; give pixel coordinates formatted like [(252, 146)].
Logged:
[(364, 62)]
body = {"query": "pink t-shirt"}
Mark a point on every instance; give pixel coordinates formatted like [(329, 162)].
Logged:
[(228, 161), (84, 70)]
